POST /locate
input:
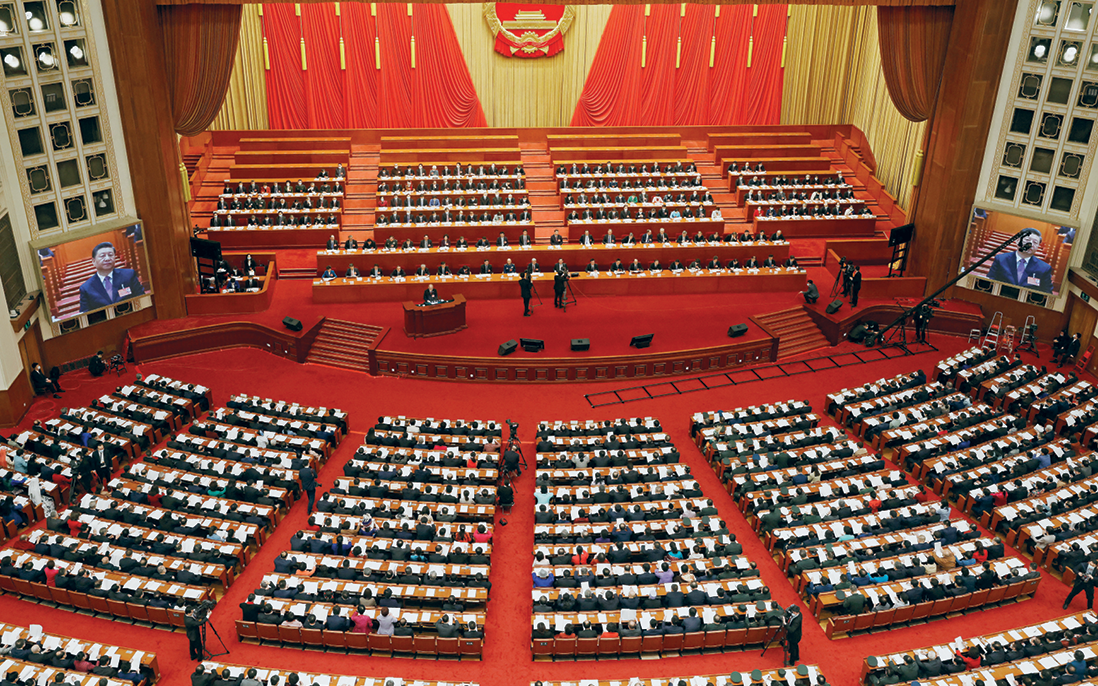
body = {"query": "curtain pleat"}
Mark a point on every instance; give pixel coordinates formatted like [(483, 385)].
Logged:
[(848, 3), (199, 50), (913, 43), (395, 94), (445, 92), (361, 81), (620, 92), (323, 76), (245, 105), (286, 107)]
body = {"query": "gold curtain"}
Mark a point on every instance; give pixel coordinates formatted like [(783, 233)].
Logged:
[(245, 106), (518, 92), (833, 75)]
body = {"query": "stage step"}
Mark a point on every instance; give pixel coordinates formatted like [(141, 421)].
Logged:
[(285, 273), (343, 344), (796, 331)]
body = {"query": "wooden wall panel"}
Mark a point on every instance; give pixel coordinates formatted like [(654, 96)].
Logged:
[(958, 135), (15, 400), (108, 336), (137, 55)]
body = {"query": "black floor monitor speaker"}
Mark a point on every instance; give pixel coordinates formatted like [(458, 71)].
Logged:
[(581, 344), (641, 341), (292, 324), (532, 345), (834, 306), (737, 330), (508, 347)]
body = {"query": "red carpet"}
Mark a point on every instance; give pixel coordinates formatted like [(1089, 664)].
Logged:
[(507, 658)]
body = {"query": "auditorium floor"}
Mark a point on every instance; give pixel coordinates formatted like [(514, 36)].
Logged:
[(507, 658)]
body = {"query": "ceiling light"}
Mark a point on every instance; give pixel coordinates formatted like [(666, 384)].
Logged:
[(1070, 54), (11, 61), (76, 52), (4, 26), (1094, 57), (1047, 13), (1039, 52), (35, 23), (67, 18), (46, 58)]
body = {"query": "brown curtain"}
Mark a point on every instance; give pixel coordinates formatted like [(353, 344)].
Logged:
[(913, 43), (199, 49)]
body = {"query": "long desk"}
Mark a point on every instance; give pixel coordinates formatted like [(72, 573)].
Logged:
[(470, 230), (621, 229), (574, 255), (793, 227), (499, 286), (273, 237), (434, 320)]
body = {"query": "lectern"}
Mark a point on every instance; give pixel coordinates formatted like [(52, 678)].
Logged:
[(422, 320)]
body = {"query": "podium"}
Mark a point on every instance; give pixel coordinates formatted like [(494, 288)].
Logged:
[(421, 321)]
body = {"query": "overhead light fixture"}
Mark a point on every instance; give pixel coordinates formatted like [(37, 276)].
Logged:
[(46, 59), (1094, 57), (66, 12), (35, 23), (76, 52), (11, 61), (4, 26), (1070, 53), (1039, 51), (67, 18), (1047, 13)]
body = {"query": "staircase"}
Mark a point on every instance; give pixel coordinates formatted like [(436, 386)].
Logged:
[(343, 344), (291, 273), (361, 191), (541, 184), (796, 331)]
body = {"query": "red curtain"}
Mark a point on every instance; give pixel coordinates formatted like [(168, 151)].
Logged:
[(360, 109), (898, 3), (763, 98), (437, 92), (286, 107), (199, 50), (323, 77), (619, 92), (913, 42)]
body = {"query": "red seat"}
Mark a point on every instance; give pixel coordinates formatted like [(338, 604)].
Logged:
[(631, 645), (59, 595), (402, 644), (447, 646), (922, 610), (587, 647), (379, 643), (884, 618), (355, 641), (996, 595), (99, 604), (177, 618), (719, 639), (672, 643), (651, 644), (609, 646), (137, 612), (22, 586), (267, 632), (243, 629), (693, 641), (756, 634), (337, 639), (425, 645), (157, 615), (314, 637), (7, 583), (473, 647), (564, 646), (118, 608), (42, 592), (979, 598), (903, 614), (543, 648), (940, 607), (289, 634), (839, 624), (864, 621)]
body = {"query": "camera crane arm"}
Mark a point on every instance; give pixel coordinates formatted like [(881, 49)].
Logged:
[(910, 311)]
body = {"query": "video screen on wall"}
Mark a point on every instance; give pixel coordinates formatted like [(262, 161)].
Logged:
[(93, 273), (1037, 261)]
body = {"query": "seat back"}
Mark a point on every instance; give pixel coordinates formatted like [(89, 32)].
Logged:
[(651, 644), (921, 610), (355, 641), (587, 646), (542, 647), (610, 646), (903, 614), (446, 646), (471, 646), (630, 644), (137, 612), (118, 608), (289, 634), (336, 639), (402, 644), (423, 645), (996, 594), (99, 604), (159, 615), (315, 637), (864, 621), (379, 643), (695, 640), (564, 645), (267, 632), (839, 624), (720, 639), (243, 629), (59, 595)]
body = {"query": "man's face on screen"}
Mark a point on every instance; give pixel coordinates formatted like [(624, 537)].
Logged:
[(1032, 241), (104, 260)]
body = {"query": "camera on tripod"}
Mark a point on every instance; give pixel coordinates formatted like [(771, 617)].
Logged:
[(514, 427), (201, 613)]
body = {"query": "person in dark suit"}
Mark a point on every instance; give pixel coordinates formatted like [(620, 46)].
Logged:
[(308, 483), (526, 285), (108, 285), (560, 278), (42, 383), (97, 365), (855, 286), (793, 622), (1022, 267), (430, 295), (193, 627)]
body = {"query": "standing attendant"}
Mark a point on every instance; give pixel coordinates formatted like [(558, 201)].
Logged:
[(525, 286), (193, 628), (855, 286), (308, 483), (793, 622), (559, 279)]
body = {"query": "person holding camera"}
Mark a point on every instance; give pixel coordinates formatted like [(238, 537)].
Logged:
[(192, 624)]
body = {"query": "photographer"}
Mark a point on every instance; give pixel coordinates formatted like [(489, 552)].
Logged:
[(792, 621), (192, 623)]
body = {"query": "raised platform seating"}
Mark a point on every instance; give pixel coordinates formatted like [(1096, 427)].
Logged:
[(790, 166), (1069, 409), (35, 673), (307, 143), (809, 227), (509, 156), (438, 141), (598, 228), (763, 137), (163, 473), (304, 156), (725, 154), (837, 401), (816, 183), (108, 592), (970, 377), (633, 153), (575, 257), (1034, 494), (611, 139), (131, 662), (918, 444), (279, 172), (1011, 656), (489, 230), (272, 237), (993, 389)]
